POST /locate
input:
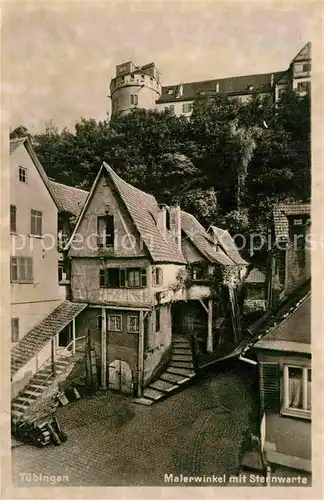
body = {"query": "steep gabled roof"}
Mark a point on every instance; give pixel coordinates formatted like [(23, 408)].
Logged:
[(71, 199), (15, 144), (225, 240), (204, 243), (281, 213), (143, 210)]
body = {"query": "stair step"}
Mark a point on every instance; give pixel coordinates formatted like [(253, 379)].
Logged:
[(143, 401), (187, 372), (36, 387), (18, 406), (153, 394), (32, 394), (181, 357), (24, 400), (163, 385), (182, 364), (182, 351), (180, 342), (174, 378)]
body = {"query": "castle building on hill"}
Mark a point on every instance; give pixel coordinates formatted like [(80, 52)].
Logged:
[(140, 86)]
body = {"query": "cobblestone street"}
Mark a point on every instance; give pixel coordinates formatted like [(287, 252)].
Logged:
[(114, 442)]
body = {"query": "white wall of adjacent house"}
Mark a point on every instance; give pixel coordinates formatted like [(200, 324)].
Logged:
[(31, 301)]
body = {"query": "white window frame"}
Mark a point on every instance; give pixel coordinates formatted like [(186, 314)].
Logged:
[(110, 320), (286, 409), (36, 220), (23, 177), (22, 262), (129, 329)]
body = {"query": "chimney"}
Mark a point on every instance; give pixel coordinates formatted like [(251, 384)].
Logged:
[(272, 80), (162, 218), (175, 224)]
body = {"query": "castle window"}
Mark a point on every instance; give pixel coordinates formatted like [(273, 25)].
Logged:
[(142, 78), (186, 108), (134, 100), (132, 77)]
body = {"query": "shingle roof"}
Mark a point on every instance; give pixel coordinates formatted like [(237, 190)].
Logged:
[(281, 213), (143, 209), (233, 85), (43, 332), (71, 199), (198, 235), (255, 276), (227, 243), (304, 54)]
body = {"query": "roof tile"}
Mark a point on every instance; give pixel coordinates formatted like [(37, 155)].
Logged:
[(71, 199)]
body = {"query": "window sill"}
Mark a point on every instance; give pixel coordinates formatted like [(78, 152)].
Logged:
[(22, 283), (38, 236), (302, 414), (64, 282)]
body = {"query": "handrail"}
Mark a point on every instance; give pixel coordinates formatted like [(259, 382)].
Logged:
[(49, 361)]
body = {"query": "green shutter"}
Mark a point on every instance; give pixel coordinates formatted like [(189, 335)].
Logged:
[(143, 278), (270, 387)]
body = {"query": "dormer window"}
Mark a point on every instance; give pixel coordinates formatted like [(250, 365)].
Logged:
[(23, 174)]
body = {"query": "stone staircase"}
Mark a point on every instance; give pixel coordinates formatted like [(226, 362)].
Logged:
[(179, 371), (42, 384)]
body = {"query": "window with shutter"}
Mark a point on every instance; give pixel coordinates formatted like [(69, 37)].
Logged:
[(14, 269), (270, 387), (122, 278)]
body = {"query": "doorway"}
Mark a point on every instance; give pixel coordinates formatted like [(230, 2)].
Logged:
[(120, 377)]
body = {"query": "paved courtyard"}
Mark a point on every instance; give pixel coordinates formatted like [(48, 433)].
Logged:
[(114, 442)]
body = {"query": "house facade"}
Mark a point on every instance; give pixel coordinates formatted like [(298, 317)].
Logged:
[(38, 306), (284, 359), (140, 86), (134, 262)]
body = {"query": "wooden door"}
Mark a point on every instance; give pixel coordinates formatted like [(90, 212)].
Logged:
[(120, 377)]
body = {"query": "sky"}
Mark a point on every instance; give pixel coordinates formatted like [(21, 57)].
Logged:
[(58, 57)]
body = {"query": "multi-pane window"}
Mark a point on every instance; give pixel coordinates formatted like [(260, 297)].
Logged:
[(186, 108), (297, 389), (22, 174), (134, 99), (14, 329), (157, 320), (115, 277), (105, 231), (132, 324), (35, 223), (157, 276), (114, 322), (13, 219), (21, 270)]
